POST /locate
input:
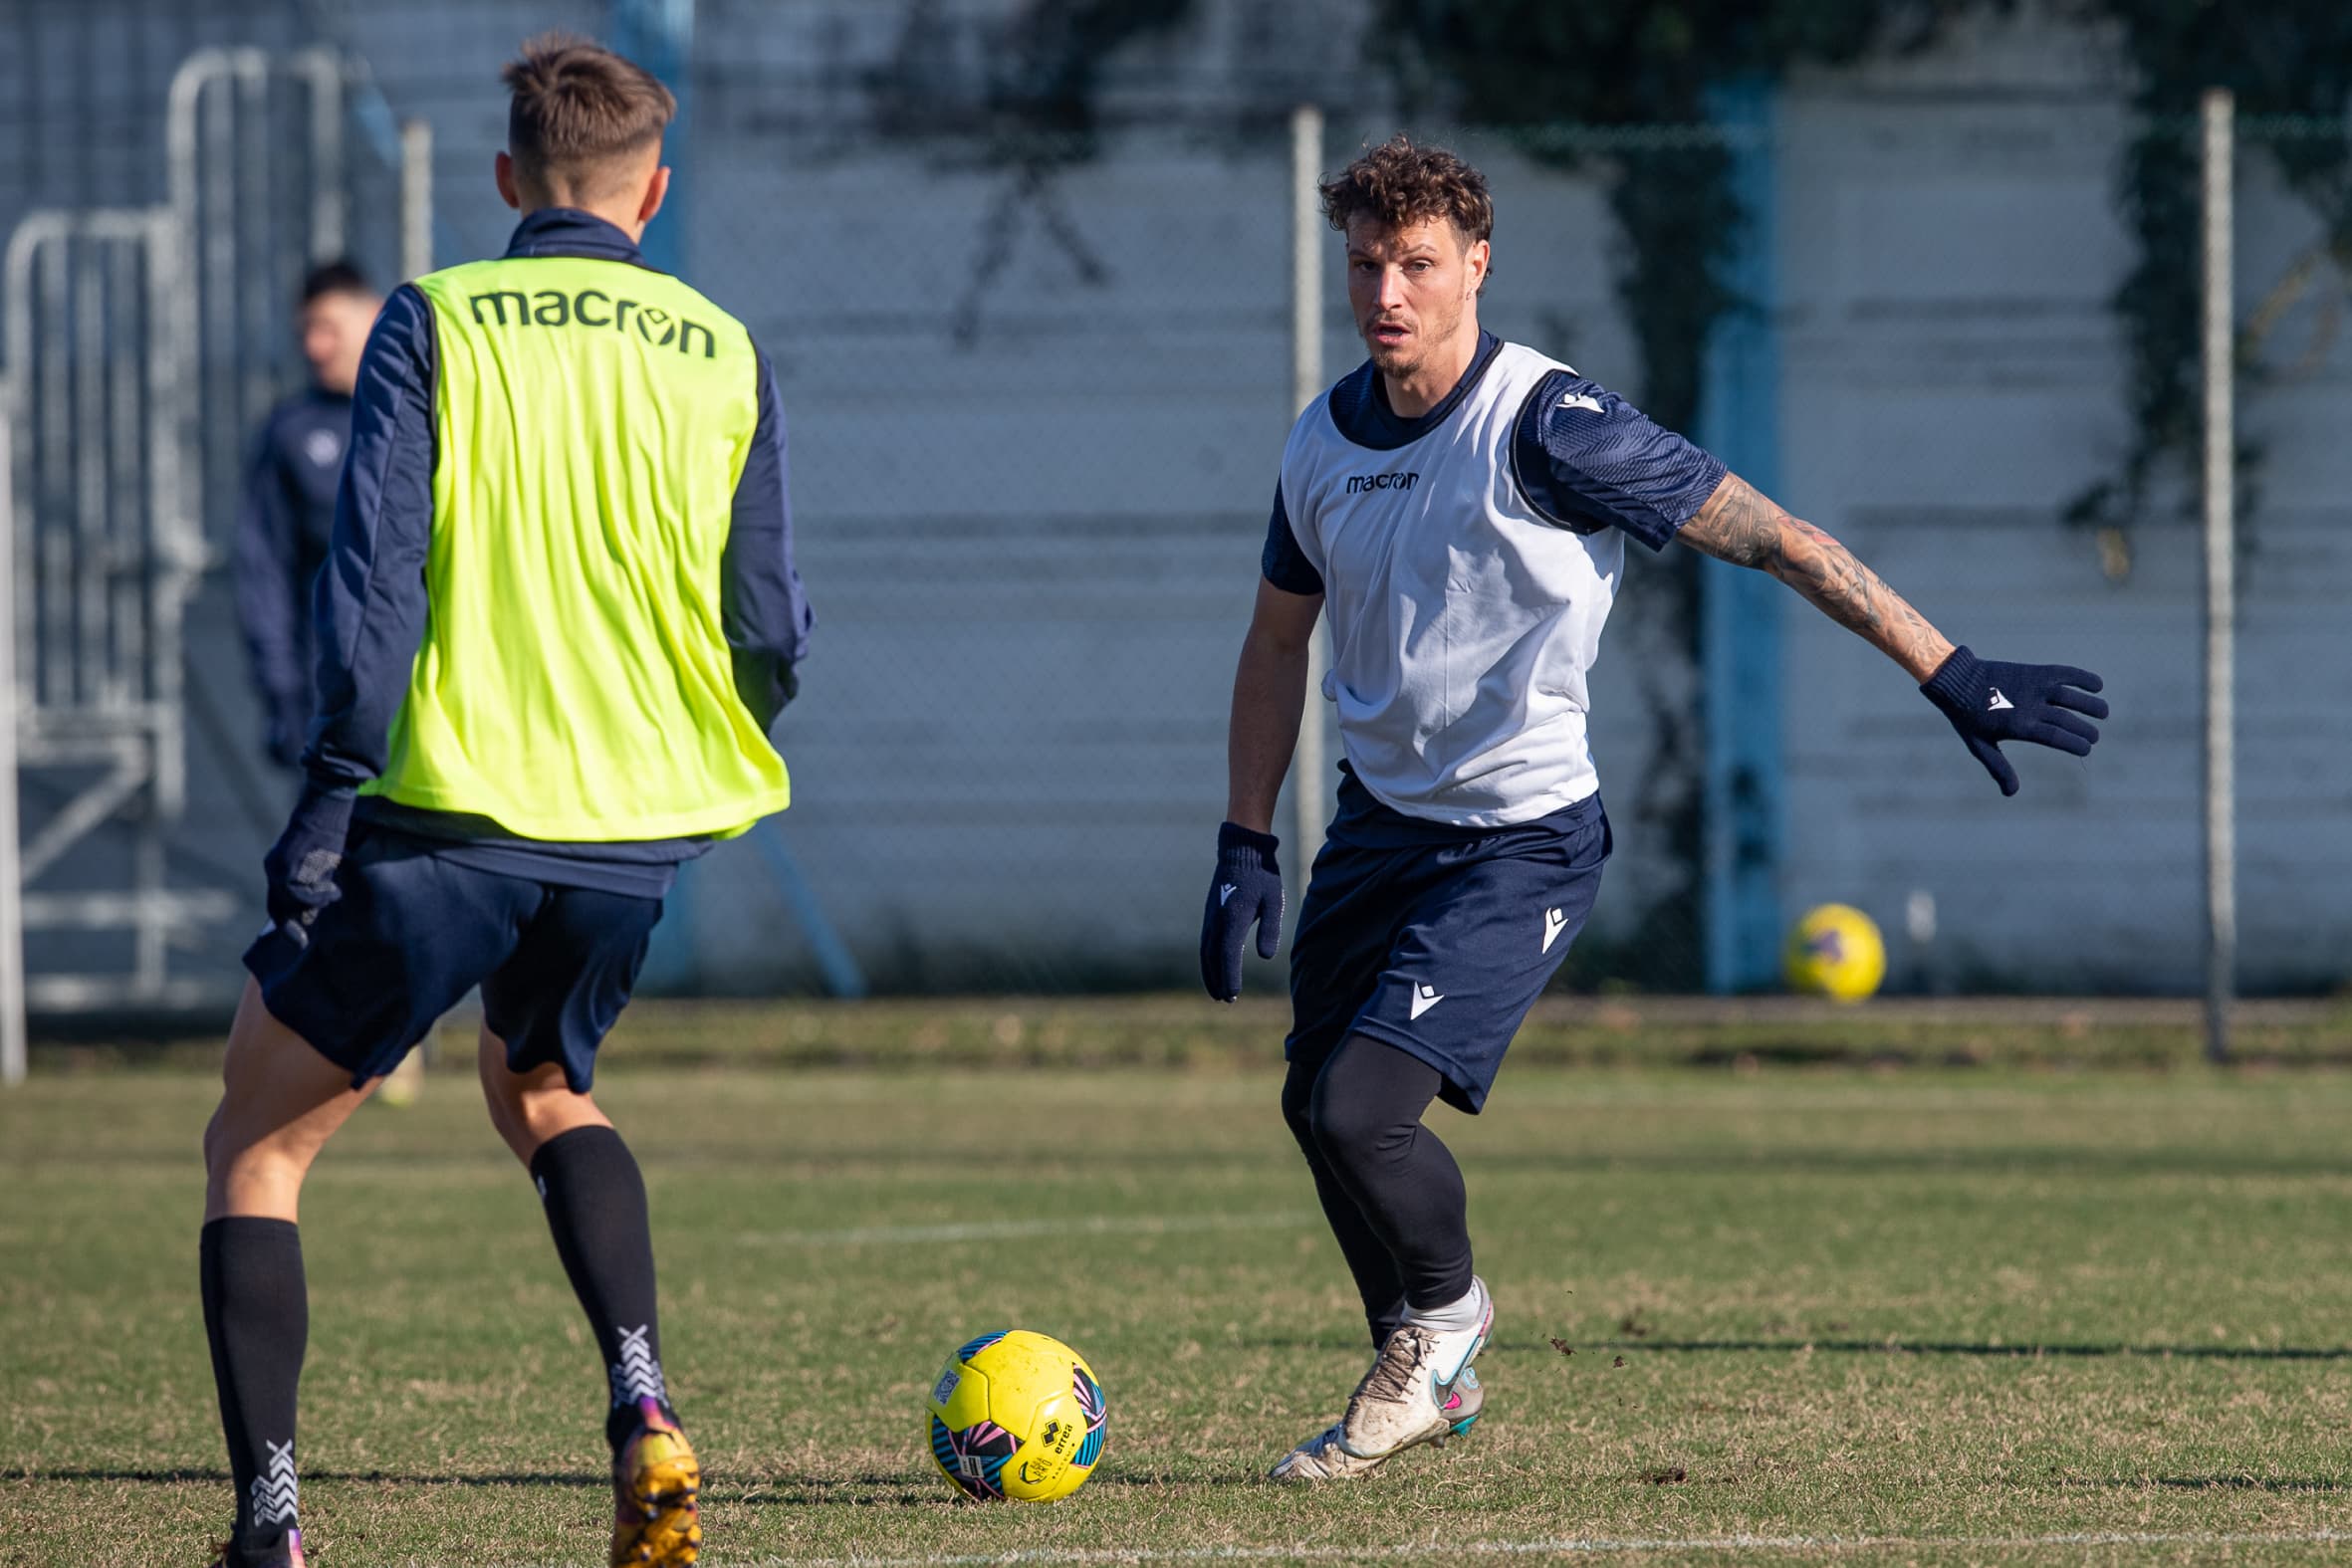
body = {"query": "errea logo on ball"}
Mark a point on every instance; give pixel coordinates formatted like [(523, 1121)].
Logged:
[(1397, 481), (592, 308)]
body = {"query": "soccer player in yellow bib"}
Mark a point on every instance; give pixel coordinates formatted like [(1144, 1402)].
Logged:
[(557, 619)]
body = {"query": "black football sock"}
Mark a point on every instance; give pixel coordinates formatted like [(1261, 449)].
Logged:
[(257, 1315), (596, 1206)]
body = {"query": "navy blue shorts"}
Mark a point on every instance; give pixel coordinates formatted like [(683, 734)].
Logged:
[(1437, 940), (413, 933)]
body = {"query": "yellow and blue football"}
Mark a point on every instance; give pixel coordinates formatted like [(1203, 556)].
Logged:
[(1835, 950), (1017, 1416)]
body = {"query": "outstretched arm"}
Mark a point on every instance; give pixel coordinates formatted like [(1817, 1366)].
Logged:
[(1988, 702), (1745, 526)]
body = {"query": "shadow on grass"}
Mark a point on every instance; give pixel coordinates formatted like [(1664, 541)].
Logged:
[(881, 1491), (1933, 1347), (1791, 1158), (368, 1477), (872, 1490), (2270, 1483), (875, 1489), (1866, 1347)]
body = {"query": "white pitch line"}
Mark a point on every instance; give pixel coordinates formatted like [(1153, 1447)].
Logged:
[(1561, 1546), (1015, 1229)]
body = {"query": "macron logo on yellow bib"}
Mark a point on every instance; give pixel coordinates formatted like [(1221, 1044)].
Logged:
[(592, 308)]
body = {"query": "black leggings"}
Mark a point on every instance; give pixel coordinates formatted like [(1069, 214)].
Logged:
[(1388, 1186)]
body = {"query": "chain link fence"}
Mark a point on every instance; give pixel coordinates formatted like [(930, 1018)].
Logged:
[(1036, 387)]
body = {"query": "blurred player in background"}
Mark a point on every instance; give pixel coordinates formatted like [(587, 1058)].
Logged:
[(557, 619), (288, 513), (288, 518), (1461, 506)]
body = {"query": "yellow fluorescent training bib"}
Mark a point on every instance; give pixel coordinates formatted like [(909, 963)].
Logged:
[(575, 682)]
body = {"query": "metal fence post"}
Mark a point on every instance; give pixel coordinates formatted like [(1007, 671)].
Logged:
[(660, 36), (2220, 588), (12, 922), (1306, 379), (416, 199)]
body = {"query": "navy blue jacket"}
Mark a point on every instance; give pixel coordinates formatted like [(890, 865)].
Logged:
[(371, 597), (283, 530)]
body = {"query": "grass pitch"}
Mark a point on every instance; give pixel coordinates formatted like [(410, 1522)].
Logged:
[(1934, 1314)]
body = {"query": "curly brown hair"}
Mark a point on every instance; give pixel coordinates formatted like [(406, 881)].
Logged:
[(1399, 185)]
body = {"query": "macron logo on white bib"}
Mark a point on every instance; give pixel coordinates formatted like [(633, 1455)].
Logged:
[(1485, 726)]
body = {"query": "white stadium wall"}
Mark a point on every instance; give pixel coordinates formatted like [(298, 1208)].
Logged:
[(1950, 377), (1032, 548)]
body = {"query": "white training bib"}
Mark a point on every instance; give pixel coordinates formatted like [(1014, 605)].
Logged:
[(1463, 621)]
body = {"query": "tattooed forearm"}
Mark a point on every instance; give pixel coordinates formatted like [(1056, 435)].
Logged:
[(1744, 528)]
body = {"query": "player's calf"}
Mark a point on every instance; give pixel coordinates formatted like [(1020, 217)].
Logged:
[(281, 1101)]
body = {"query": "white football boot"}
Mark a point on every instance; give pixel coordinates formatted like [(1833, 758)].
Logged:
[(1421, 1389)]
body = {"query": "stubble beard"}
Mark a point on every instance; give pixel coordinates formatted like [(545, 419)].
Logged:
[(1412, 357), (1398, 363)]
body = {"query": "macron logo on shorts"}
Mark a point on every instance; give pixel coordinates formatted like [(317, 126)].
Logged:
[(1425, 997), (1555, 921)]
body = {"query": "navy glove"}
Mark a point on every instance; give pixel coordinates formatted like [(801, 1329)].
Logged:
[(1989, 703), (300, 866), (1246, 890)]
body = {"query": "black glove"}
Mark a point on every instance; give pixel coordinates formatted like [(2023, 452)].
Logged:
[(300, 866), (1989, 703), (1246, 890)]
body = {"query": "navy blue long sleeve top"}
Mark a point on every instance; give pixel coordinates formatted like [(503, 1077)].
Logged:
[(369, 606), (282, 532)]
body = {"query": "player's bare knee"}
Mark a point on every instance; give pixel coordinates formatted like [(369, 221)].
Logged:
[(276, 1158), (552, 1108), (490, 1065), (499, 1097), (528, 1108)]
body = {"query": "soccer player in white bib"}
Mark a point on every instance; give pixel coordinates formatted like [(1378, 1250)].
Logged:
[(1460, 506)]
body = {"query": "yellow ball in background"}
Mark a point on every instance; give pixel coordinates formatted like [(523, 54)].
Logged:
[(1835, 950)]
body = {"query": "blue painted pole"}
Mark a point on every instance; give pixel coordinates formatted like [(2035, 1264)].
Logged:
[(659, 34), (1739, 611), (843, 977)]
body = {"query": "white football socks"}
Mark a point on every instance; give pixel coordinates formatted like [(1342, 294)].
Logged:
[(1455, 1317)]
